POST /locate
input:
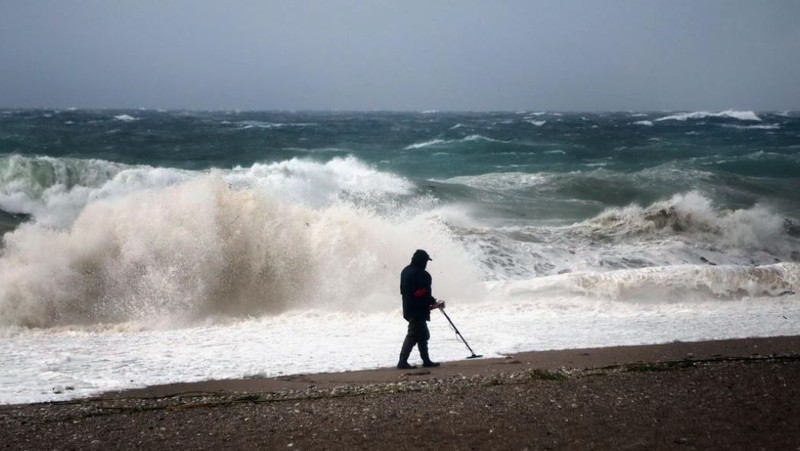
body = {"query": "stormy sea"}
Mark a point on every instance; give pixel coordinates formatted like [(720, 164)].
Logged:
[(142, 247)]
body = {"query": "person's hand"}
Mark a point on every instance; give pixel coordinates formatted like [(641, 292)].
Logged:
[(440, 305)]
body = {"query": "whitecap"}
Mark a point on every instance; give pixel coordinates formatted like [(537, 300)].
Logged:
[(244, 125), (755, 127), (482, 138), (440, 142), (732, 114), (422, 145)]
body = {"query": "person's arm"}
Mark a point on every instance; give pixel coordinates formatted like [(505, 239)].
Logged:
[(433, 303)]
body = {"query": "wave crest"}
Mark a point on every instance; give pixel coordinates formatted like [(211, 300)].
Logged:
[(727, 114), (693, 214), (444, 142)]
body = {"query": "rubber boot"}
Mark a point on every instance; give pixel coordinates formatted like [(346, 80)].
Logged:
[(405, 352), (423, 352)]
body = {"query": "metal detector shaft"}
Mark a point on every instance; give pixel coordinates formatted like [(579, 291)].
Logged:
[(459, 334)]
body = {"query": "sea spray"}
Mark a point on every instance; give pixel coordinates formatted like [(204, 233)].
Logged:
[(203, 249)]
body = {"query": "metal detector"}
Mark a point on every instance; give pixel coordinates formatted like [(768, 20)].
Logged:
[(473, 356)]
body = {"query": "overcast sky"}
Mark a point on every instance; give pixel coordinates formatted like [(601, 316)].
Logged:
[(401, 55)]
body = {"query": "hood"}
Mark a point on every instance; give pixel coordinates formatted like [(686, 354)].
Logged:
[(420, 258)]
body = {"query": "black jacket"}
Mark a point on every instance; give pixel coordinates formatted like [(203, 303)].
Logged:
[(415, 286)]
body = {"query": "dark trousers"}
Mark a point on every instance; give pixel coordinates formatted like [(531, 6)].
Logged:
[(418, 334)]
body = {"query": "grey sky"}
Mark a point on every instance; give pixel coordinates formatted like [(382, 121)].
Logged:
[(403, 55)]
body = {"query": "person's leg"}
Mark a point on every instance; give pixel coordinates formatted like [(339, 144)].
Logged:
[(408, 345), (422, 344)]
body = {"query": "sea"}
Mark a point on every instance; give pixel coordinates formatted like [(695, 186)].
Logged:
[(144, 247)]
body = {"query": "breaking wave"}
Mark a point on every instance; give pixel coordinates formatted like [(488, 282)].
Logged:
[(55, 190), (676, 284), (693, 214), (686, 229)]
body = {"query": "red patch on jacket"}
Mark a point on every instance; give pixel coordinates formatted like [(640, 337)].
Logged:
[(421, 292)]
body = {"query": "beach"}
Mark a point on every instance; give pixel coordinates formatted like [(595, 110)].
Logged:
[(727, 394)]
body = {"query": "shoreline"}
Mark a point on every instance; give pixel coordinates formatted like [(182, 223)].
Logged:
[(580, 358), (739, 393)]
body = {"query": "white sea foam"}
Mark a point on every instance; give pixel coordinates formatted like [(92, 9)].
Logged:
[(440, 142), (755, 127), (645, 123), (422, 145), (481, 138), (500, 181), (733, 114), (536, 123), (125, 118), (244, 125), (678, 283)]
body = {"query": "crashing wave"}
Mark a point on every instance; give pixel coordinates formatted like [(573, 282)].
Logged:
[(206, 249), (693, 214)]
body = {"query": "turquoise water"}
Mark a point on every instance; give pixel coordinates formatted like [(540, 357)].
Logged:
[(605, 159)]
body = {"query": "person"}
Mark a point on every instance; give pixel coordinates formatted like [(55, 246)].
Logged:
[(418, 301)]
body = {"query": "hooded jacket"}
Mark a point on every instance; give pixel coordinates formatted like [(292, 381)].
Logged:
[(415, 287)]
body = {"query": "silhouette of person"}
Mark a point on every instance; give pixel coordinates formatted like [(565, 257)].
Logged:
[(418, 301)]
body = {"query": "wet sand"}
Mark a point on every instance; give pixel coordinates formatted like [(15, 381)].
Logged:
[(731, 394)]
